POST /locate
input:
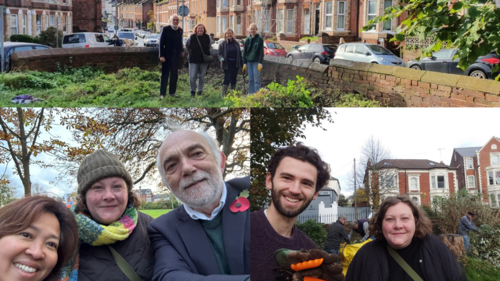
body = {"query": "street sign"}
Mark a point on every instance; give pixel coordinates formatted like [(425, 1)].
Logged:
[(183, 11)]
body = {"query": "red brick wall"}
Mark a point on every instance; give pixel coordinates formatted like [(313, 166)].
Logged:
[(451, 183), (87, 15)]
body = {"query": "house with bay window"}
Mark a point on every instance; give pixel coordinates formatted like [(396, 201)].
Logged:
[(146, 195), (479, 169), (420, 179)]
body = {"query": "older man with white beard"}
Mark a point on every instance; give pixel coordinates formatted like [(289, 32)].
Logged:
[(208, 236)]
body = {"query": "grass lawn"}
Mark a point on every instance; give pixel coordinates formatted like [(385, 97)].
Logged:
[(155, 213)]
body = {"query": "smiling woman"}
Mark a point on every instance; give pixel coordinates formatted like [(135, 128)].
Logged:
[(37, 236)]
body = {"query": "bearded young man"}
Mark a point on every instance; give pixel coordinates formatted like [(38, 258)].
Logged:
[(203, 239), (295, 176)]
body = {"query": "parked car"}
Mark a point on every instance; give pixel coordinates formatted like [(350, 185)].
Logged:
[(14, 47), (274, 49), (111, 29), (152, 40), (318, 53), (369, 53), (442, 61), (128, 37), (85, 40), (215, 45), (141, 33)]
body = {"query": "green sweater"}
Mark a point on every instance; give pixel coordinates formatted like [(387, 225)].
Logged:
[(254, 49)]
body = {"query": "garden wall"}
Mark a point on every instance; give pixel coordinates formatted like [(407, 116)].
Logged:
[(393, 86), (109, 59)]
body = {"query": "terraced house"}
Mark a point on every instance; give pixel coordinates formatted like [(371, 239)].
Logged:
[(31, 17), (200, 11)]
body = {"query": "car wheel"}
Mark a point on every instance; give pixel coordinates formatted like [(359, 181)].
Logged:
[(417, 67), (478, 74), (316, 60)]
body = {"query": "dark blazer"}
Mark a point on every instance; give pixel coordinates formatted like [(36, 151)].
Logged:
[(171, 42), (182, 250)]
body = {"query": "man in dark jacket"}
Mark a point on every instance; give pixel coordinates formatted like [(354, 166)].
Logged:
[(208, 236), (336, 232), (171, 53), (361, 227), (465, 226)]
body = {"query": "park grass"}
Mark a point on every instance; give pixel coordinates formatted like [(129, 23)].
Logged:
[(480, 270), (155, 213)]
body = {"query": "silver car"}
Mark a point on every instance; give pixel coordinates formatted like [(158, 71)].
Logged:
[(369, 53), (152, 40)]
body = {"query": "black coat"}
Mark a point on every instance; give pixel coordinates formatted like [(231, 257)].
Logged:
[(171, 42), (97, 263), (336, 232), (223, 53), (195, 52), (438, 262)]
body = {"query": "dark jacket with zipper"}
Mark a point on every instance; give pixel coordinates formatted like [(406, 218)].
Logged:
[(254, 49), (437, 262), (223, 53), (336, 232), (195, 52), (97, 263)]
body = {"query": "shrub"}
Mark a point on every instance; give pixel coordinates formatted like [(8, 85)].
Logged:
[(356, 100), (48, 37), (315, 231), (23, 38), (485, 245), (478, 270), (27, 80)]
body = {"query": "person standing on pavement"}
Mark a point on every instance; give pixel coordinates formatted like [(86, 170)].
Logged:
[(171, 54), (466, 225), (253, 56), (230, 58), (198, 43), (361, 227), (336, 232)]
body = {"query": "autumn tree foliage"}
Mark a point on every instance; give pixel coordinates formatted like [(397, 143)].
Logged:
[(272, 128)]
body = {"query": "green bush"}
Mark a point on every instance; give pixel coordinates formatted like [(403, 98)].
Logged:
[(315, 231), (48, 37), (27, 80), (23, 38), (356, 100), (486, 244), (478, 270)]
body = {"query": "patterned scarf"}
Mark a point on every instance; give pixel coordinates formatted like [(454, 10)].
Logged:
[(95, 234)]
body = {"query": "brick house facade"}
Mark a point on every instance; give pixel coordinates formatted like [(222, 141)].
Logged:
[(134, 14), (87, 16), (480, 167), (200, 11), (422, 180), (146, 195), (31, 17)]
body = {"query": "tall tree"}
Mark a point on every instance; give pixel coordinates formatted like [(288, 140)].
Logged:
[(272, 128), (342, 201), (372, 152), (20, 142), (469, 25)]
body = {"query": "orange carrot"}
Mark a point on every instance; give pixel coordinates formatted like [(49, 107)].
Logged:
[(307, 264), (307, 278)]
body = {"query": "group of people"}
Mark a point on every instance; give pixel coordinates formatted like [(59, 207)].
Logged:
[(198, 45), (104, 236)]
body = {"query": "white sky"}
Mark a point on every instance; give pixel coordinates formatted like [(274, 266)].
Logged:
[(409, 133)]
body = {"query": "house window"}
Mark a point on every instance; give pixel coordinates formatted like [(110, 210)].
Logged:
[(238, 2), (494, 159), (280, 20), (470, 163), (328, 15), (218, 3), (389, 181), (493, 200), (224, 3), (258, 18), (149, 199), (224, 23), (25, 19), (289, 21), (433, 181), (218, 24), (494, 177), (38, 24), (265, 21), (440, 181), (413, 184), (387, 24), (238, 24), (52, 18), (341, 16), (471, 181), (13, 24), (415, 200), (372, 11), (493, 146)]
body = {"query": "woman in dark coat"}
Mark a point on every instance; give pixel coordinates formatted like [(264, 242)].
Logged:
[(231, 60), (403, 235), (198, 43)]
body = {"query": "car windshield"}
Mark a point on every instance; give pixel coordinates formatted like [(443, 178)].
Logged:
[(152, 37), (379, 50), (126, 35), (331, 48), (274, 46)]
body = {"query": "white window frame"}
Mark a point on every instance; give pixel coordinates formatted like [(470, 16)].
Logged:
[(418, 199), (14, 26), (389, 21), (52, 20), (417, 182), (218, 24), (224, 23), (493, 156), (341, 15), (238, 25), (38, 24), (372, 15), (328, 16), (471, 182), (307, 24), (493, 146), (148, 199), (25, 19), (281, 15), (493, 174), (469, 163), (289, 21), (231, 21), (266, 20)]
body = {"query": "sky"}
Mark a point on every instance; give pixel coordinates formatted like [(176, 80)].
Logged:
[(409, 133)]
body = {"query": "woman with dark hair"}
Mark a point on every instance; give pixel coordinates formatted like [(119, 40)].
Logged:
[(37, 236), (114, 243), (404, 248), (198, 43), (231, 60)]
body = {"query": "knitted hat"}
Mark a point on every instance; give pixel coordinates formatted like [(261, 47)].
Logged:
[(99, 165)]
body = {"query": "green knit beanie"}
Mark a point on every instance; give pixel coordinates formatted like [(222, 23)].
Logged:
[(99, 165)]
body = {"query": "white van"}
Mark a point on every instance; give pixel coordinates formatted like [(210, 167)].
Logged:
[(86, 40)]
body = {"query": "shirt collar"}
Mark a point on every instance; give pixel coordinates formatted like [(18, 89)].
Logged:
[(195, 215)]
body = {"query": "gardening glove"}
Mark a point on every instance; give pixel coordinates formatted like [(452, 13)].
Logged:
[(259, 67), (244, 69), (309, 265), (221, 59)]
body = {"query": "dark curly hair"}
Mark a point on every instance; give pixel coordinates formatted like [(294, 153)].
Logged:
[(305, 154), (423, 225)]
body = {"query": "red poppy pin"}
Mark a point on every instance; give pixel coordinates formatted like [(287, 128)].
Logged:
[(241, 203)]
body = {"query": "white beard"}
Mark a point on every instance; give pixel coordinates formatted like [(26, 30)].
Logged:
[(202, 196)]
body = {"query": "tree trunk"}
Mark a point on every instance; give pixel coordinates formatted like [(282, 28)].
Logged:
[(455, 242)]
